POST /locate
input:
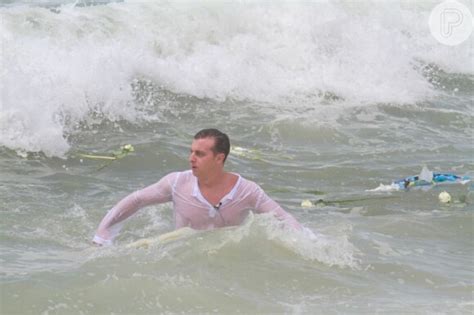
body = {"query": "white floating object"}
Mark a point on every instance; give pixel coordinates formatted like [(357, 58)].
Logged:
[(444, 197), (306, 203)]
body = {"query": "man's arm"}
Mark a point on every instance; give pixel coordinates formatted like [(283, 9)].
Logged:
[(159, 192), (266, 204)]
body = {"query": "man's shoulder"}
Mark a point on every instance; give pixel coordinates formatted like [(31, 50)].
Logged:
[(178, 179), (246, 183), (178, 175), (181, 174), (185, 173)]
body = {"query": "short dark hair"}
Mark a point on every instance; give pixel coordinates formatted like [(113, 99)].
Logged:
[(221, 140)]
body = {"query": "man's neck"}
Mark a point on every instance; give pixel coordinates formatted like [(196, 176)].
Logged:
[(212, 180)]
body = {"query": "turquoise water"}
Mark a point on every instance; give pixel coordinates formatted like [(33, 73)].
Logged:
[(328, 100)]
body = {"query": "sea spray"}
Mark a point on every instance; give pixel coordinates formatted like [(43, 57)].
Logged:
[(258, 230), (63, 66)]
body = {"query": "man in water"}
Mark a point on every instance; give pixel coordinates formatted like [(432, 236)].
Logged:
[(204, 197)]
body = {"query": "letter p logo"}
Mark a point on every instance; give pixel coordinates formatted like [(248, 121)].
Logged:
[(450, 19), (451, 23)]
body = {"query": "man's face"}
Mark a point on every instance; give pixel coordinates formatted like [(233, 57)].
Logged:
[(202, 159)]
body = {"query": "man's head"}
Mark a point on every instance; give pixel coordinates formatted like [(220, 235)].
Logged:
[(221, 140), (209, 151)]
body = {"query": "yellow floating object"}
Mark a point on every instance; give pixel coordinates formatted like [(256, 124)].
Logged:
[(128, 148), (163, 238), (124, 150), (98, 157), (257, 155), (444, 197), (306, 203), (244, 152)]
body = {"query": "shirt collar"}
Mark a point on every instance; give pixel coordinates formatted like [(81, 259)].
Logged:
[(195, 187), (230, 195)]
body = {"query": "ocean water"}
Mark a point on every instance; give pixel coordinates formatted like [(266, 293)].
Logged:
[(326, 101)]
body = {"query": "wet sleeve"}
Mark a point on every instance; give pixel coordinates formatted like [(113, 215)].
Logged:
[(160, 192), (264, 204)]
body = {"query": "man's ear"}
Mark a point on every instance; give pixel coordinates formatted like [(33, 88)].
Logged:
[(220, 157)]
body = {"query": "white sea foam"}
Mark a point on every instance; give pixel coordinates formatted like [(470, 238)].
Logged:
[(58, 68), (386, 188), (332, 250)]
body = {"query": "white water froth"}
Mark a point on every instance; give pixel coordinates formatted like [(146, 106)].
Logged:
[(60, 68), (328, 249), (331, 250)]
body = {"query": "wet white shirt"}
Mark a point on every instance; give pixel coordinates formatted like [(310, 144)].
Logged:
[(191, 209)]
